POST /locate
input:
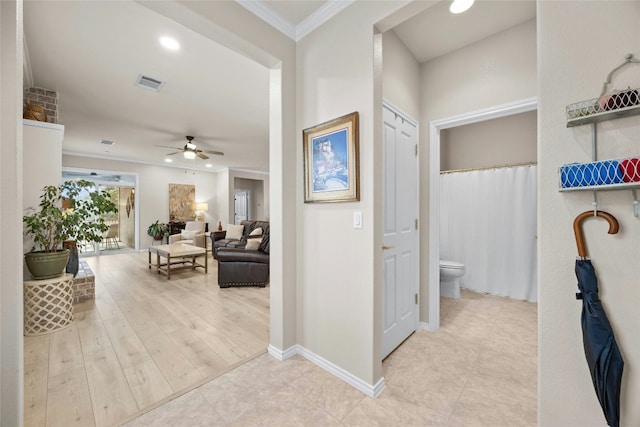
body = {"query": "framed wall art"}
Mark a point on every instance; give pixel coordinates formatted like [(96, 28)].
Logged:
[(331, 164), (182, 202)]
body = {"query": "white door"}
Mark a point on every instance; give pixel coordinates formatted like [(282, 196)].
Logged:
[(241, 206), (400, 230)]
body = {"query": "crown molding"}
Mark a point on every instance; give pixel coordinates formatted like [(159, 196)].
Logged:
[(263, 12), (327, 11)]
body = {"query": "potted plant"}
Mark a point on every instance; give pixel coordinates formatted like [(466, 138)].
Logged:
[(158, 230), (69, 211)]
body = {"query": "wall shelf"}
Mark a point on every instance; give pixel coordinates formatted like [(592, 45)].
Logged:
[(614, 105), (634, 110)]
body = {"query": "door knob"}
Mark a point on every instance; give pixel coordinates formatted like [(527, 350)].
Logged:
[(385, 247)]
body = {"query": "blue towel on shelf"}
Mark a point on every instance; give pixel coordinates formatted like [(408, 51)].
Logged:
[(590, 174)]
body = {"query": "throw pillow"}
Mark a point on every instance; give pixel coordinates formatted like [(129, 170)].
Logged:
[(256, 232), (253, 244), (234, 231), (264, 245), (188, 235)]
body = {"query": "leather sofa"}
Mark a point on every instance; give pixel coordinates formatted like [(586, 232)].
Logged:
[(238, 265), (241, 267), (219, 238)]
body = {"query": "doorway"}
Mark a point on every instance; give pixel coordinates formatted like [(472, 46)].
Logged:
[(241, 206), (435, 127), (121, 188)]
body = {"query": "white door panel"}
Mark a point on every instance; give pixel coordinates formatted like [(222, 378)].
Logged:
[(241, 208), (400, 235)]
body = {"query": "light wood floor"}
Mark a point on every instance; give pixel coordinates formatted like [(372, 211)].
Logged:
[(143, 341)]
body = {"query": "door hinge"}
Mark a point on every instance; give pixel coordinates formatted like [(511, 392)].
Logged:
[(416, 298), (416, 150), (416, 223)]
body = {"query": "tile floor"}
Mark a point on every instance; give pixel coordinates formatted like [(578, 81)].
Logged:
[(478, 370)]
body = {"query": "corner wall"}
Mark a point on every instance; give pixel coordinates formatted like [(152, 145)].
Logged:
[(579, 43), (339, 280), (11, 250), (400, 76)]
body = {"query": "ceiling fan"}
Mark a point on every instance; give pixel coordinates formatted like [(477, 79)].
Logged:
[(190, 150)]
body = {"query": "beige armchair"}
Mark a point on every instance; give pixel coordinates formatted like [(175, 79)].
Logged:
[(193, 234)]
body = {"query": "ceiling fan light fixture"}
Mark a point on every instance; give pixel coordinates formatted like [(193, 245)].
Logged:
[(190, 146), (190, 155), (459, 6)]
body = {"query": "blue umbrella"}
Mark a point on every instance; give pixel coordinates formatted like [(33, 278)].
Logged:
[(600, 347)]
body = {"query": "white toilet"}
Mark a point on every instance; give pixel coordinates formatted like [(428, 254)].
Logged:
[(450, 274)]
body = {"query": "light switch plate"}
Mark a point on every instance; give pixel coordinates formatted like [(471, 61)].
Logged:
[(357, 219)]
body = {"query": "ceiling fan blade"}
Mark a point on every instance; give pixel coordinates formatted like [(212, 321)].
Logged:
[(171, 154), (217, 153), (202, 156), (166, 146)]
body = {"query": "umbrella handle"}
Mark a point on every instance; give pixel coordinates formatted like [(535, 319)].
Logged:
[(577, 228)]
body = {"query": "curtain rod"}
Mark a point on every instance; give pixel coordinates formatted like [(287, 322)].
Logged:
[(488, 167)]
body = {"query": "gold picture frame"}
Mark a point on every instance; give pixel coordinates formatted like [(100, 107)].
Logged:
[(331, 160)]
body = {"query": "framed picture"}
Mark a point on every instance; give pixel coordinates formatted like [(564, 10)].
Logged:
[(331, 171)]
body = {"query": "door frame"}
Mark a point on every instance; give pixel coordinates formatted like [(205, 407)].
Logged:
[(136, 202), (495, 112), (387, 104)]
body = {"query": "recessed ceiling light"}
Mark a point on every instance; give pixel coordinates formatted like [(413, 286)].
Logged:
[(459, 6), (169, 43), (209, 165), (168, 160)]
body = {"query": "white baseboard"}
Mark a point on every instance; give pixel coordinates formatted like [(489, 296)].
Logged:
[(426, 326), (282, 354), (368, 389)]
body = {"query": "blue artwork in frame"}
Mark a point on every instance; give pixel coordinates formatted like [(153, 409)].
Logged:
[(331, 160)]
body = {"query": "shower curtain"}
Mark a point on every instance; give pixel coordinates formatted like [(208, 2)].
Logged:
[(488, 222)]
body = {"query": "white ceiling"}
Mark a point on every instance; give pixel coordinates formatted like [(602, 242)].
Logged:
[(91, 53), (436, 31)]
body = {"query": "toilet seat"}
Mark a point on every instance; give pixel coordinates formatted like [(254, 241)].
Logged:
[(452, 265)]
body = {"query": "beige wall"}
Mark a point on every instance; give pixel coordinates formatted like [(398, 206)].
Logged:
[(494, 71), (42, 166), (126, 224), (153, 188), (339, 291), (11, 250), (401, 76), (573, 64), (498, 142), (246, 176), (256, 196)]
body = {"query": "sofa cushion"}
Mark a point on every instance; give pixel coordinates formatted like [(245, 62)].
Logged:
[(188, 235), (253, 244), (241, 255), (256, 232), (264, 244), (234, 231)]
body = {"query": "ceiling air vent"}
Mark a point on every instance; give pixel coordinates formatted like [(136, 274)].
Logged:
[(106, 142), (149, 83)]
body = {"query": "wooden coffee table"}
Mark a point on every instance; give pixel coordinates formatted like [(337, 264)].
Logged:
[(178, 256)]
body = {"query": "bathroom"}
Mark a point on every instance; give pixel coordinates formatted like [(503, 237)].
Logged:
[(488, 211)]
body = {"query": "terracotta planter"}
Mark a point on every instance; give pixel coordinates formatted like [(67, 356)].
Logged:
[(45, 265)]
